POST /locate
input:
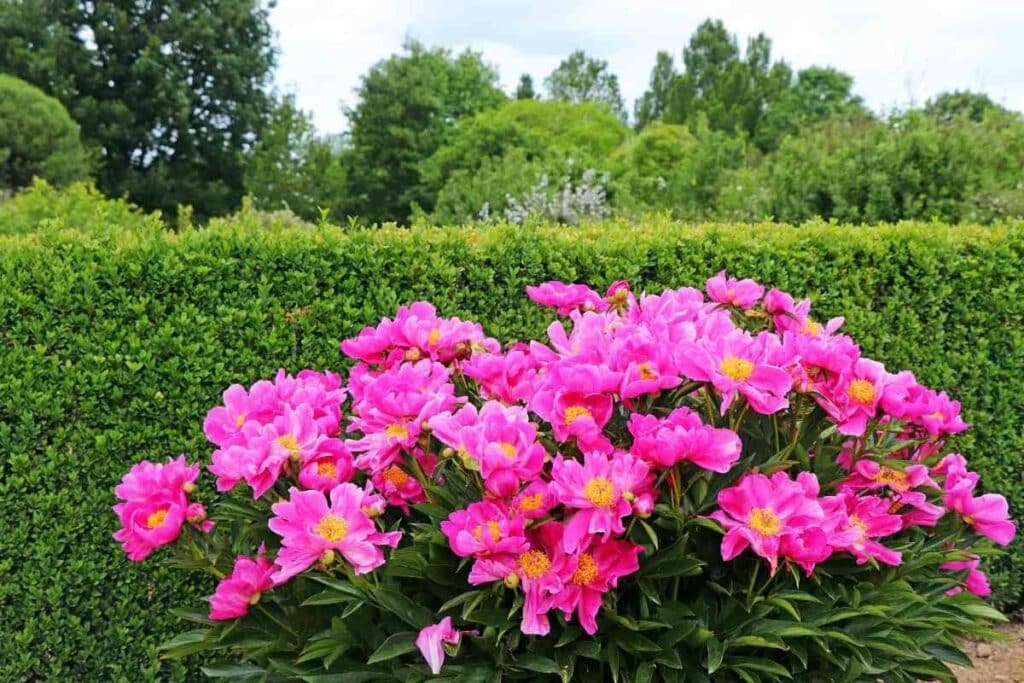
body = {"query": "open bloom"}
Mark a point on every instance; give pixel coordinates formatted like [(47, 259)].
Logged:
[(683, 437), (761, 512), (249, 580), (432, 639), (858, 521), (485, 528), (988, 514), (313, 526), (592, 572), (600, 490), (154, 506)]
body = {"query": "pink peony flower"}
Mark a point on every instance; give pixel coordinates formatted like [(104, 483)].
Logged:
[(154, 506), (249, 580), (327, 470), (600, 490), (736, 363), (582, 416), (507, 377), (485, 528), (761, 512), (432, 639), (976, 581), (988, 514), (565, 298), (683, 437), (313, 526), (592, 572), (858, 522), (223, 424), (740, 293), (536, 500)]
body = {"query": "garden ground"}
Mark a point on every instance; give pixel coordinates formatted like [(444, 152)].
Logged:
[(996, 662)]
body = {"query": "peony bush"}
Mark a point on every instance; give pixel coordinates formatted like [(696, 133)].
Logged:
[(684, 486)]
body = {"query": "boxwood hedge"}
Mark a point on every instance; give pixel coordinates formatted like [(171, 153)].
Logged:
[(114, 345)]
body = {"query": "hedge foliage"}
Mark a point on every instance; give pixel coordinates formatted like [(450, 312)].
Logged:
[(113, 347)]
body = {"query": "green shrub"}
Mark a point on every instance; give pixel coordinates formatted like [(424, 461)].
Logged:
[(37, 137), (112, 350), (44, 209)]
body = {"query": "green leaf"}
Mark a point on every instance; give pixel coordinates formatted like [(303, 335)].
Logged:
[(232, 670), (715, 654), (538, 663), (396, 645)]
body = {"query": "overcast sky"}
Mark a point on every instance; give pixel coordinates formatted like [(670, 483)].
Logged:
[(898, 52)]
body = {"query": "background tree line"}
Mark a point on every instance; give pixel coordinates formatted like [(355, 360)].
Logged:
[(172, 104)]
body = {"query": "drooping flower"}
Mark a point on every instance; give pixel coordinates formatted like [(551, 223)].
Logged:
[(683, 437), (976, 581), (727, 290), (761, 511), (312, 526), (236, 593), (432, 639), (988, 513), (600, 490)]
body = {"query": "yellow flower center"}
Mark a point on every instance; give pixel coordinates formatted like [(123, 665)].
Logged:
[(434, 337), (810, 327), (399, 430), (240, 420), (935, 416), (600, 492), (531, 502), (764, 522), (858, 524), (508, 449), (586, 570), (738, 369), (893, 478), (862, 391), (396, 475), (332, 528), (534, 564), (646, 371), (156, 519), (492, 526), (573, 413), (289, 443), (326, 469)]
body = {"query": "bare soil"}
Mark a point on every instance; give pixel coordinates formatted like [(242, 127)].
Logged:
[(996, 661)]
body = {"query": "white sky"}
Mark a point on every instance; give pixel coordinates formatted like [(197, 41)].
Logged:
[(898, 51)]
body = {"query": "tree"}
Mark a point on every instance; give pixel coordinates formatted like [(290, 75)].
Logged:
[(407, 104), (652, 105), (169, 94), (818, 93), (948, 106), (293, 168), (525, 91), (580, 78), (37, 138)]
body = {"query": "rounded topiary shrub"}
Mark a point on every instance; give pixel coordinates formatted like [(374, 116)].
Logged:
[(37, 138)]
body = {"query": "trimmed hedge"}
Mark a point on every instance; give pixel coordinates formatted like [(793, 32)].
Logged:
[(112, 348)]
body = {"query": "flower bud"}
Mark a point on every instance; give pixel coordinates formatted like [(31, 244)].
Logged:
[(412, 355), (628, 496), (447, 452), (188, 487), (255, 598), (327, 558), (512, 581)]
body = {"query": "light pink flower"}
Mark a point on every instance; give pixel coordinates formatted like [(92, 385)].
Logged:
[(235, 593), (432, 639), (313, 526)]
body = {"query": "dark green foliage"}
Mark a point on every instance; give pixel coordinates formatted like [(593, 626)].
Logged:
[(112, 349), (580, 78), (37, 138), (407, 105), (168, 94)]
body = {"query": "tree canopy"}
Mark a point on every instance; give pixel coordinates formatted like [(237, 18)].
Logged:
[(580, 78)]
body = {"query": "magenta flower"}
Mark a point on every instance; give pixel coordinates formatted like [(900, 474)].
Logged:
[(727, 290), (858, 522), (399, 488), (735, 363), (332, 467), (600, 490), (154, 506), (682, 437), (536, 500), (432, 640), (223, 424), (592, 572), (565, 298), (869, 475), (507, 377), (761, 512), (988, 514), (576, 415), (975, 582), (313, 526), (485, 528), (236, 593)]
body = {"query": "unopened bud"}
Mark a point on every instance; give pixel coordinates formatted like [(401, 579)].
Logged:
[(425, 427), (512, 581), (447, 452), (413, 354), (255, 598), (628, 496), (197, 518), (188, 487), (327, 558)]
